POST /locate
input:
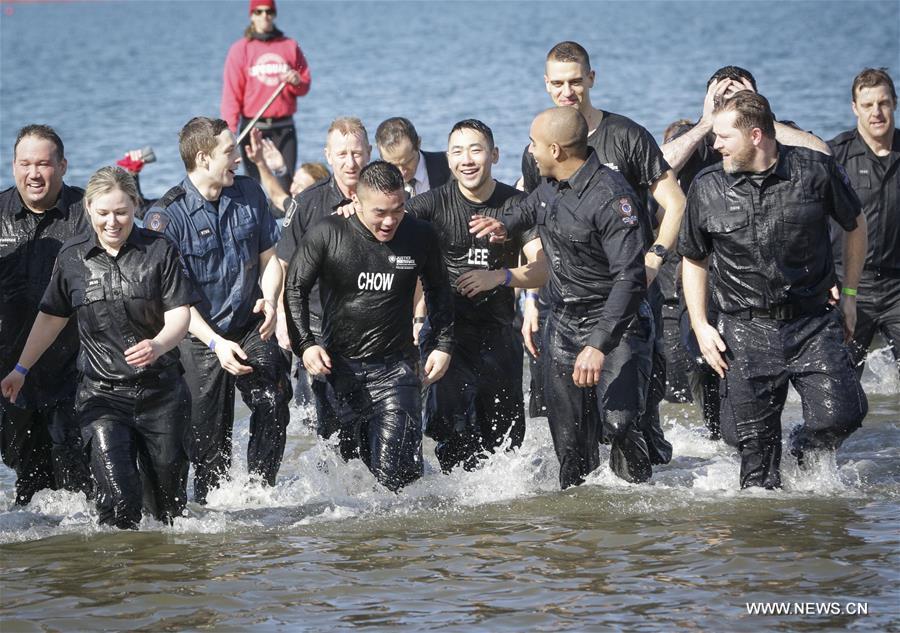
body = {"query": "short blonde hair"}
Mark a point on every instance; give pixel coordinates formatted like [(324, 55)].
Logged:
[(110, 178)]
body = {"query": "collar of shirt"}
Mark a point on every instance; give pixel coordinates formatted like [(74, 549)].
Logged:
[(194, 200), (421, 175), (60, 207), (858, 147), (132, 241), (337, 197), (580, 180), (782, 168)]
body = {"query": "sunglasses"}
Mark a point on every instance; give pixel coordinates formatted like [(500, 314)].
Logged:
[(263, 11)]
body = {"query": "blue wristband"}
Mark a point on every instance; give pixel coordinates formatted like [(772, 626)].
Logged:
[(531, 294), (212, 344), (21, 370), (508, 277)]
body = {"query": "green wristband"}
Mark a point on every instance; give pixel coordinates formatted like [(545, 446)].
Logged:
[(850, 292)]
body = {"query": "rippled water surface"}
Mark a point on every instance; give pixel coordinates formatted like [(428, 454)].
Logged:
[(499, 549)]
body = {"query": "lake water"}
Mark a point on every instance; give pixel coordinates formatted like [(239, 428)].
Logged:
[(500, 549)]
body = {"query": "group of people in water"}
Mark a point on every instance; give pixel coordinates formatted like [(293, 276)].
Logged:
[(387, 297)]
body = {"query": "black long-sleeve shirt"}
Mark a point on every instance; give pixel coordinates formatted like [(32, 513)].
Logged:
[(120, 300), (367, 288), (770, 238), (449, 211), (590, 228), (29, 244)]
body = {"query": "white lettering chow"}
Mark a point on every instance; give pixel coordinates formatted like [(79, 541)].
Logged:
[(375, 281)]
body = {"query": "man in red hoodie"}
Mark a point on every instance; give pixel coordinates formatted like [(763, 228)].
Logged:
[(256, 64)]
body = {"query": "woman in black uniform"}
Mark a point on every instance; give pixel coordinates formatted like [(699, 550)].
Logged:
[(132, 297)]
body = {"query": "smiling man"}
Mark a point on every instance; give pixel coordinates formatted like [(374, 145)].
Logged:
[(871, 156), (478, 404), (227, 235), (366, 267), (39, 436), (399, 144)]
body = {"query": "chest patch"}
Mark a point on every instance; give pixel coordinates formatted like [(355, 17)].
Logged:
[(402, 262)]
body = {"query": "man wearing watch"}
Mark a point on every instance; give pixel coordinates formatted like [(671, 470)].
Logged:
[(226, 233), (764, 212)]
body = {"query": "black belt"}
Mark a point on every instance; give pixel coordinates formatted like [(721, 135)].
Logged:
[(784, 312), (881, 271), (267, 123)]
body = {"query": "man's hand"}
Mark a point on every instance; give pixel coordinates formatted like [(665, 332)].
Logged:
[(281, 331), (473, 282), (714, 95), (436, 366), (272, 156), (291, 76), (346, 210), (848, 310), (255, 147), (530, 326), (230, 356), (12, 385), (484, 226), (417, 327), (652, 264), (317, 361), (267, 307), (143, 354), (711, 346), (588, 366)]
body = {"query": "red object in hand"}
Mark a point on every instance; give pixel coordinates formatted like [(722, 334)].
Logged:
[(134, 166)]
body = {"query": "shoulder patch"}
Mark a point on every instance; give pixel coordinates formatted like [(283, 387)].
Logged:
[(156, 221), (626, 211)]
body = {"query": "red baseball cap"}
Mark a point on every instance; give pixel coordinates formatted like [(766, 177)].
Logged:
[(262, 3)]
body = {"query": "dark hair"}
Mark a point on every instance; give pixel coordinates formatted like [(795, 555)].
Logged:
[(393, 130), (732, 72), (381, 176), (200, 134), (569, 52), (871, 77), (44, 132), (476, 125), (753, 110)]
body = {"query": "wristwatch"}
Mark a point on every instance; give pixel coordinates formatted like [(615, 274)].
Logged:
[(660, 251)]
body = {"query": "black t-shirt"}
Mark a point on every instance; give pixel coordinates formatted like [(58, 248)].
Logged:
[(449, 211), (367, 288), (29, 244), (119, 300)]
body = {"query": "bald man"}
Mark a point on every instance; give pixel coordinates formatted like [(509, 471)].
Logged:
[(599, 333)]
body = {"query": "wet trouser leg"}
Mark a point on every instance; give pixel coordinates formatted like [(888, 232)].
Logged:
[(43, 446), (135, 435), (704, 381), (678, 364), (479, 401), (660, 449), (877, 310), (381, 405), (536, 405), (576, 414)]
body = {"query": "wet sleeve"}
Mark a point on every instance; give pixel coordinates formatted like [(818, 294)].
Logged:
[(844, 204), (421, 207), (531, 177), (520, 217), (56, 300), (290, 236), (620, 237), (269, 232), (303, 272), (693, 241), (647, 162), (176, 286), (438, 295)]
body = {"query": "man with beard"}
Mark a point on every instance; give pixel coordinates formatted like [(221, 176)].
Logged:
[(478, 403), (39, 435), (764, 213)]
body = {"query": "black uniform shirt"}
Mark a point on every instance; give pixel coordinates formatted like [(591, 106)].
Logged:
[(449, 211), (301, 213), (119, 300), (770, 238), (625, 147), (876, 181), (29, 244), (589, 226), (367, 288)]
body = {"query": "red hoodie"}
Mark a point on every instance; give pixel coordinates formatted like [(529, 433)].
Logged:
[(252, 72)]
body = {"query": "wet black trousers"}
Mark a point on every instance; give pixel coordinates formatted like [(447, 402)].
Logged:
[(650, 424), (877, 310), (578, 417), (703, 380), (479, 402), (266, 392), (763, 356), (44, 447), (135, 436), (381, 416)]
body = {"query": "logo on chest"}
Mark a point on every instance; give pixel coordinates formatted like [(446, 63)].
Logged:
[(402, 262), (375, 281)]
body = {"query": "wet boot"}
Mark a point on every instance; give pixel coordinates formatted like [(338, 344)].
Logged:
[(629, 457), (760, 463)]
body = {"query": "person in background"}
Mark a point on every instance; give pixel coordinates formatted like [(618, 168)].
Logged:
[(132, 296), (254, 68), (399, 144), (870, 155), (39, 436)]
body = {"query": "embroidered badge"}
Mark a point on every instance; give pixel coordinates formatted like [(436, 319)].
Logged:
[(627, 212), (157, 222)]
